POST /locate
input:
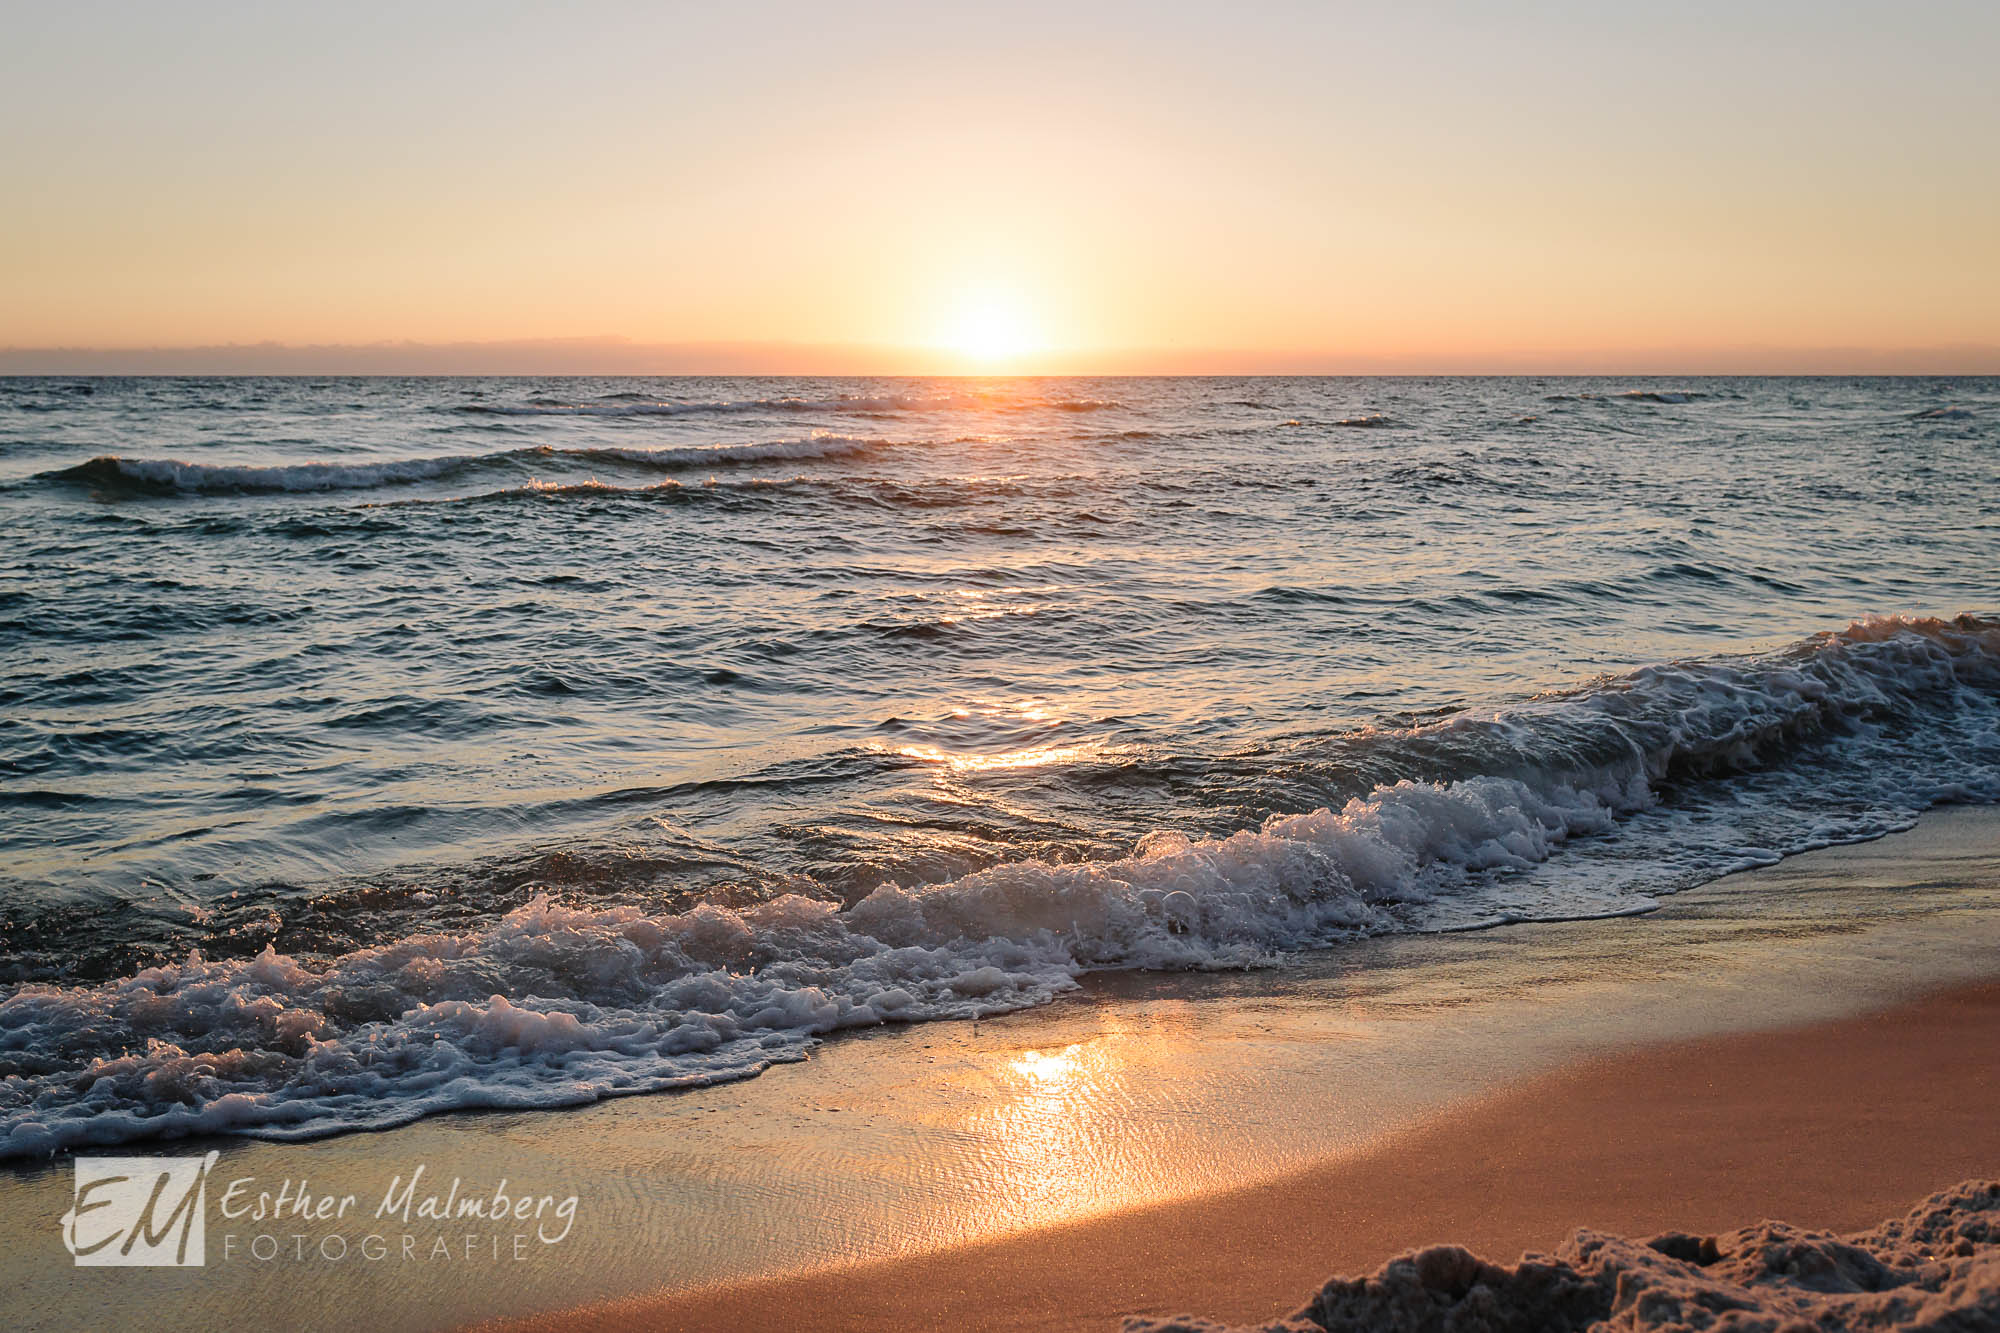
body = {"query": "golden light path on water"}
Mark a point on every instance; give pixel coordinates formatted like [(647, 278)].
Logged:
[(1053, 1128), (1046, 1134), (1031, 758), (984, 725)]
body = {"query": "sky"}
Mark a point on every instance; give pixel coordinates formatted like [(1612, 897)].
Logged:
[(1076, 187)]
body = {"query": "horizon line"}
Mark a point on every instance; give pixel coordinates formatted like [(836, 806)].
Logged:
[(627, 358)]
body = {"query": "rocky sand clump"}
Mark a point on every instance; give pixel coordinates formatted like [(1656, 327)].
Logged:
[(1936, 1268)]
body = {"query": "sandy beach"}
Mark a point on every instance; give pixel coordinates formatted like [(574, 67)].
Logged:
[(1834, 1126)]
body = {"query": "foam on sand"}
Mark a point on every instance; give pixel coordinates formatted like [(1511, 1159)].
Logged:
[(1938, 1267)]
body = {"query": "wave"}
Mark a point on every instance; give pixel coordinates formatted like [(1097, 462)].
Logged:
[(1659, 395), (1587, 803), (631, 405), (170, 475), (111, 472), (1942, 414), (1629, 395), (667, 489), (723, 455)]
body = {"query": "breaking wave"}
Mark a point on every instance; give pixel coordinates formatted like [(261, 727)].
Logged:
[(1659, 395), (1844, 736), (168, 475), (1629, 395)]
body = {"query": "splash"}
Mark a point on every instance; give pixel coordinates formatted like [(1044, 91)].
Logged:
[(555, 1005)]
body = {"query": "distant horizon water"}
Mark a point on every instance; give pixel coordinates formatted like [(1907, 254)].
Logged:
[(601, 356)]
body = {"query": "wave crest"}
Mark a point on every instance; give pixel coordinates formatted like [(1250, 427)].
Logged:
[(630, 405), (171, 475), (555, 1004)]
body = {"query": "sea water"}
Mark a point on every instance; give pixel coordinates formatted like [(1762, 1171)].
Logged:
[(384, 746)]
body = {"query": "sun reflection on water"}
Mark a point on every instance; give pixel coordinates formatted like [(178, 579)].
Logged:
[(1054, 1129), (979, 735), (1048, 1068), (1034, 757)]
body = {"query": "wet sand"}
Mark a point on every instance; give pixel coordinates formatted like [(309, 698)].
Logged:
[(1834, 1126)]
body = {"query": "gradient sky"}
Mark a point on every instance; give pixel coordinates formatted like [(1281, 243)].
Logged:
[(1114, 187)]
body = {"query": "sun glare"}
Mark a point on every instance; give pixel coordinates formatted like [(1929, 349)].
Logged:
[(991, 327)]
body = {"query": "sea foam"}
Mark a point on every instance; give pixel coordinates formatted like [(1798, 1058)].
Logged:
[(557, 1004)]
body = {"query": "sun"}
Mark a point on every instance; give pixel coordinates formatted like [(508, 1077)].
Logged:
[(990, 326)]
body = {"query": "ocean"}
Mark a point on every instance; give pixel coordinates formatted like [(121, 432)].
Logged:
[(377, 747)]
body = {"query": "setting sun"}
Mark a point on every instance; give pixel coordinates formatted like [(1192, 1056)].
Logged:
[(990, 326)]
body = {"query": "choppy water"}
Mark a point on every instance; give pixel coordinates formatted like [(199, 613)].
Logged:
[(517, 742)]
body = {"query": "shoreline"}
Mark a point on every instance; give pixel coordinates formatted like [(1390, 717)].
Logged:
[(1832, 1126), (1144, 1094)]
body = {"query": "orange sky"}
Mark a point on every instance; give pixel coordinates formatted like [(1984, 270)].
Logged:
[(1065, 188)]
